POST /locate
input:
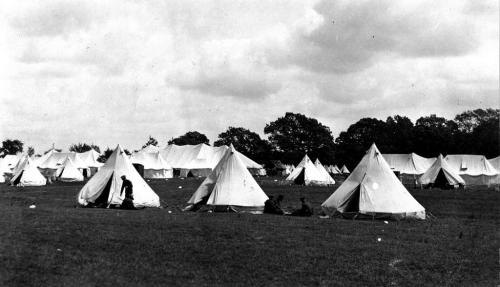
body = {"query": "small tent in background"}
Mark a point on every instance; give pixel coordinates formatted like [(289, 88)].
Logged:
[(28, 175), (90, 159), (229, 187), (495, 162), (153, 164), (39, 160), (373, 190), (409, 166), (441, 175), (50, 166), (326, 176), (474, 169), (8, 163), (68, 172), (344, 170), (306, 173), (103, 189), (150, 149), (335, 170)]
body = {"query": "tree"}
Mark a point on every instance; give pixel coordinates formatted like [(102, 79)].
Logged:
[(151, 141), (11, 146), (353, 143), (83, 147), (192, 138), (486, 138), (435, 135), (31, 151), (105, 155), (246, 142), (399, 132), (469, 120), (294, 135)]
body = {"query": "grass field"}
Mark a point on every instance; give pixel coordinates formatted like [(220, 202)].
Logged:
[(56, 244)]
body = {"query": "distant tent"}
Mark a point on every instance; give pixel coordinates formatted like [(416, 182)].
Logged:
[(8, 163), (28, 175), (50, 166), (495, 162), (90, 159), (199, 160), (38, 161), (326, 176), (410, 163), (440, 174), (306, 173), (103, 189), (153, 164), (474, 169), (344, 169), (229, 187), (68, 172), (335, 169), (373, 190)]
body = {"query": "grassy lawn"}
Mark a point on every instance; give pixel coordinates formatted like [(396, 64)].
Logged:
[(56, 244)]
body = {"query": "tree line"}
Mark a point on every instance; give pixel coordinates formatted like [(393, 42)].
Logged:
[(293, 135)]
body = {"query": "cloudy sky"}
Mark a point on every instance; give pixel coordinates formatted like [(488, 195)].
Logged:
[(117, 71)]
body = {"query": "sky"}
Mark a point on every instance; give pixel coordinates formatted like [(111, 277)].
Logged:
[(109, 72)]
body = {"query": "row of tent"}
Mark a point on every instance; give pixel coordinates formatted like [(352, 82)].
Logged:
[(452, 169), (372, 189), (188, 160)]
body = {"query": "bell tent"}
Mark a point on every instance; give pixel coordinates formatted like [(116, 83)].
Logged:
[(68, 172), (373, 190), (229, 187), (28, 175), (103, 189), (154, 164), (344, 170), (306, 173), (495, 162), (440, 174), (326, 176)]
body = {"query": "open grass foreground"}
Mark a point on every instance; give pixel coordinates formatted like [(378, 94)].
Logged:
[(56, 244)]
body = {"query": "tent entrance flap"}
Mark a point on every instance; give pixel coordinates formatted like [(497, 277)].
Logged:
[(18, 179), (441, 180), (352, 204), (103, 197), (300, 179)]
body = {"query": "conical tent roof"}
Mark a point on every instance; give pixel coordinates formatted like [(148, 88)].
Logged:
[(336, 169), (373, 189), (344, 169), (28, 175), (230, 184), (307, 173), (90, 158), (68, 171), (440, 164), (327, 178), (106, 183)]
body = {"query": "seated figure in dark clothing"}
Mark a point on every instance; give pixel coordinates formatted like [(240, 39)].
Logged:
[(272, 206), (128, 202), (305, 209)]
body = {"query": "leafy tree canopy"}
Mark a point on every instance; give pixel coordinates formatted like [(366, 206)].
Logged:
[(191, 138), (83, 147), (11, 147), (151, 141)]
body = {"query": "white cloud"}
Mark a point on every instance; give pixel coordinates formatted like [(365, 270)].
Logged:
[(117, 71)]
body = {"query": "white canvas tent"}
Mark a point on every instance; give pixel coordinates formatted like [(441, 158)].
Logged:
[(495, 162), (150, 149), (90, 159), (474, 169), (39, 160), (344, 169), (411, 163), (326, 176), (335, 169), (50, 166), (68, 172), (103, 189), (8, 163), (229, 187), (154, 164), (199, 160), (440, 174), (373, 190), (306, 173), (28, 175)]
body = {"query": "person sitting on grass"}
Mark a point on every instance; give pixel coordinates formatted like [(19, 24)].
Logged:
[(272, 206), (128, 201), (305, 209)]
